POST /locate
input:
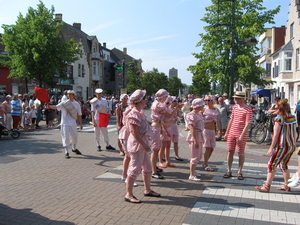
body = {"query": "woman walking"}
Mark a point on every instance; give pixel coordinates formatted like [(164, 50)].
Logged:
[(282, 147), (138, 147)]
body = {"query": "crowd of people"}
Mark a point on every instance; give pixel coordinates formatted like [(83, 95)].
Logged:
[(146, 145)]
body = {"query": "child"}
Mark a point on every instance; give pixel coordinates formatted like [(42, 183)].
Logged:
[(195, 140), (33, 117), (27, 118)]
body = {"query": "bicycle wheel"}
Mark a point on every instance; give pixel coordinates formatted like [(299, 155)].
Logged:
[(260, 134), (253, 128), (15, 134)]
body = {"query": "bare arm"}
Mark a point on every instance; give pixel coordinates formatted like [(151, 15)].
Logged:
[(276, 133)]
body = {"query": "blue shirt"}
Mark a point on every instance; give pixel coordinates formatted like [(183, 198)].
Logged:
[(15, 104), (298, 106)]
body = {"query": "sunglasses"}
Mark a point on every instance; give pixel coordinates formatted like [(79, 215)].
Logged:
[(207, 100)]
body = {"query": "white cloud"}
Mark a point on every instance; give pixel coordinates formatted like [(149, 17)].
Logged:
[(104, 25)]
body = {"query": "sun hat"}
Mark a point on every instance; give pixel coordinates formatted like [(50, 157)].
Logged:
[(239, 94), (71, 92)]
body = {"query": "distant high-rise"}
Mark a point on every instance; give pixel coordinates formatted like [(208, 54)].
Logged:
[(173, 72)]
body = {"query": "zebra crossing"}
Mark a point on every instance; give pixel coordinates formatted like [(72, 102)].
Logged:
[(88, 128), (233, 201)]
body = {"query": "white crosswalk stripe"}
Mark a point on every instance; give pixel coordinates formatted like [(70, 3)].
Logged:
[(90, 129)]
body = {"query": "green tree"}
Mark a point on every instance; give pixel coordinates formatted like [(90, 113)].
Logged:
[(153, 80), (174, 86), (133, 77), (35, 50), (230, 21)]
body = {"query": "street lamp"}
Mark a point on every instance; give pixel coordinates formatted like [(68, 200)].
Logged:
[(234, 42)]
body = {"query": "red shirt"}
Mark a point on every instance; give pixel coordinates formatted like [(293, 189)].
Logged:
[(240, 116)]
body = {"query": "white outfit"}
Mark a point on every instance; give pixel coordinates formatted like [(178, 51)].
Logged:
[(97, 129), (64, 98), (68, 124)]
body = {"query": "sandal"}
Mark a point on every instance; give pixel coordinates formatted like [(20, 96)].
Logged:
[(264, 188), (179, 159), (130, 199), (285, 187), (171, 165), (227, 175), (162, 165), (209, 169), (240, 176), (152, 194)]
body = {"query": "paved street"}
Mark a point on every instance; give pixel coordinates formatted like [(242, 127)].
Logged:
[(39, 186)]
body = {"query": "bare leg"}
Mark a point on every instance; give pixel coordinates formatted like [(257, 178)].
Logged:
[(154, 157), (121, 149), (167, 152), (207, 154), (147, 187), (162, 152), (176, 150), (129, 189), (241, 163), (229, 160), (126, 162), (192, 169)]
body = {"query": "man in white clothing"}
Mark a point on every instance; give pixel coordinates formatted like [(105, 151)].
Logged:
[(68, 129), (96, 105)]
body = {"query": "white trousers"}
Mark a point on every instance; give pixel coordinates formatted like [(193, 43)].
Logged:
[(7, 121), (68, 133), (104, 131)]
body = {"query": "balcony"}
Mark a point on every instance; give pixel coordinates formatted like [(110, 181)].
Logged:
[(96, 55), (96, 77)]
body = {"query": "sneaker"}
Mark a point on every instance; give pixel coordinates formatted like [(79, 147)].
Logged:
[(110, 148), (134, 184), (76, 151), (293, 177), (67, 156), (123, 178), (157, 176), (295, 182), (99, 148), (194, 178), (159, 170)]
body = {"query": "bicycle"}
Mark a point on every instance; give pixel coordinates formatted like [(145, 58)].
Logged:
[(259, 131), (4, 131)]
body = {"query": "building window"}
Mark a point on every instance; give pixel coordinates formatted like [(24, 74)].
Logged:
[(285, 62), (297, 59), (276, 70), (94, 68), (94, 48), (291, 30), (83, 71), (79, 70)]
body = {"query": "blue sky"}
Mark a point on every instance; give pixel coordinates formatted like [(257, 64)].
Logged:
[(163, 33)]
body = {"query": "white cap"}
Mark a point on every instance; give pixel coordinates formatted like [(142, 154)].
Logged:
[(71, 92), (98, 91)]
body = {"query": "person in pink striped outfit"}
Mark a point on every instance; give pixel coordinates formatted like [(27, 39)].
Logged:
[(194, 138), (138, 147), (237, 133), (158, 113)]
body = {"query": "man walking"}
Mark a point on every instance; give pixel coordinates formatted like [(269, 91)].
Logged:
[(100, 105), (237, 133), (70, 112)]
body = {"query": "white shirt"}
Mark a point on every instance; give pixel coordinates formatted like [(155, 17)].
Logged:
[(66, 118), (95, 106)]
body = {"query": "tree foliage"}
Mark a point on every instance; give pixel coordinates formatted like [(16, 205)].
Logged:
[(174, 85), (153, 80), (134, 78), (214, 65), (35, 50)]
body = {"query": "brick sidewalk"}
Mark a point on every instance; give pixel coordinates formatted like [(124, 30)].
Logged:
[(39, 186)]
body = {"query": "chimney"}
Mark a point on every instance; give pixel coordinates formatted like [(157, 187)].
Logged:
[(125, 51), (77, 25), (58, 17), (104, 44)]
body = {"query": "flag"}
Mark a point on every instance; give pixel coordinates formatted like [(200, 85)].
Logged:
[(41, 94)]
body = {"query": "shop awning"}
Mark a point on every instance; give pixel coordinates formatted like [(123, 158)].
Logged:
[(263, 92)]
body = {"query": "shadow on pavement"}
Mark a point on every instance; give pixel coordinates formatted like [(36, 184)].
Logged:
[(24, 216)]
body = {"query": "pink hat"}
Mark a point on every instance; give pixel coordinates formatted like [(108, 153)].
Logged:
[(170, 99), (137, 96), (161, 93), (197, 103)]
